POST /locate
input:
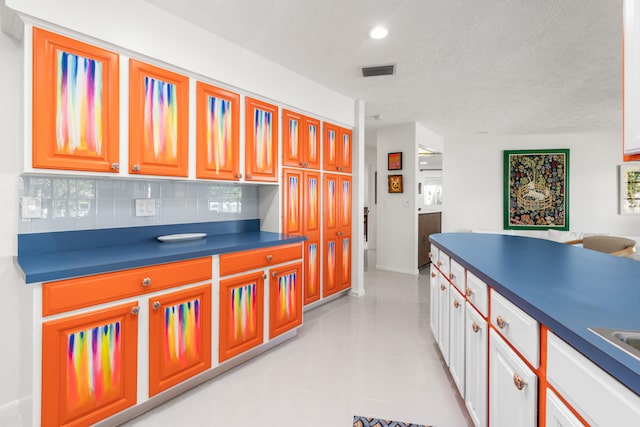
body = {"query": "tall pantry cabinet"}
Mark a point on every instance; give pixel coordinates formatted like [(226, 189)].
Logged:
[(312, 197)]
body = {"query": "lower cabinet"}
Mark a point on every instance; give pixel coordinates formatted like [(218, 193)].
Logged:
[(311, 271), (443, 317), (513, 387), (179, 337), (456, 338), (434, 290), (285, 298), (241, 314), (89, 365), (476, 337), (557, 413)]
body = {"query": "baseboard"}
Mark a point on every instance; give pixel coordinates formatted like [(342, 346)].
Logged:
[(397, 270), (325, 300), (10, 414), (355, 293)]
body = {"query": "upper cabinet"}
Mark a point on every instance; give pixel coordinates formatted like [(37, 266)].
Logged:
[(261, 141), (75, 105), (337, 148), (631, 84), (158, 121), (218, 133), (300, 140)]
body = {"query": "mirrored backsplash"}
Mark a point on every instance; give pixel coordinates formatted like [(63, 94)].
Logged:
[(82, 203)]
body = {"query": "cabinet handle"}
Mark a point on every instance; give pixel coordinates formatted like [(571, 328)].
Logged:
[(469, 292), (501, 322), (274, 274), (115, 166), (452, 276), (239, 175), (264, 276), (430, 255), (249, 176), (475, 327), (442, 287), (269, 258), (456, 304), (156, 305), (146, 281), (135, 310), (439, 263), (518, 382), (433, 275), (136, 168)]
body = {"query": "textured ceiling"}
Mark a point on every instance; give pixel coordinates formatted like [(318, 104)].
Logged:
[(463, 67)]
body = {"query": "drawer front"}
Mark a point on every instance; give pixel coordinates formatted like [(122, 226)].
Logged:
[(598, 397), (433, 254), (258, 258), (477, 292), (457, 276), (520, 329), (443, 263), (72, 294)]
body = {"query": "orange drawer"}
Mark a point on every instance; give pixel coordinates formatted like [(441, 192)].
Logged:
[(257, 258), (66, 295)]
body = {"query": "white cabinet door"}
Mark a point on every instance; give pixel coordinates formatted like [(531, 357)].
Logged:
[(456, 338), (434, 290), (558, 415), (513, 387), (476, 337), (443, 317)]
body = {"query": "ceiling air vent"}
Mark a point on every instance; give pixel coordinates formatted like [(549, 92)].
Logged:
[(380, 70)]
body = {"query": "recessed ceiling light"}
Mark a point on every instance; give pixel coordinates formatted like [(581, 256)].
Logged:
[(378, 32)]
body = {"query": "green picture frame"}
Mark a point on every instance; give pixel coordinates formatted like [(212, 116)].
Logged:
[(536, 189)]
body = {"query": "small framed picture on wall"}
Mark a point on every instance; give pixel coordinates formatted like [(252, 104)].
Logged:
[(395, 184), (394, 161)]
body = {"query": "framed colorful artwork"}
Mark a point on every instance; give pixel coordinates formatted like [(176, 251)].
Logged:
[(158, 122), (630, 189), (395, 184), (536, 189), (75, 120), (394, 161), (217, 133), (261, 139)]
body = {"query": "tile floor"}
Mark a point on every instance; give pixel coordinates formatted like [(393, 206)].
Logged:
[(372, 356)]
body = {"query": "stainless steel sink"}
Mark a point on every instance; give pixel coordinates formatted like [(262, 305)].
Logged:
[(628, 341)]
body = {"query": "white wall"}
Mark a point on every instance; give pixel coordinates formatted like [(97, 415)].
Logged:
[(473, 181), (371, 160), (397, 218)]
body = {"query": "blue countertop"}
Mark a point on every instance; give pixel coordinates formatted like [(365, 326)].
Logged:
[(62, 255), (566, 288)]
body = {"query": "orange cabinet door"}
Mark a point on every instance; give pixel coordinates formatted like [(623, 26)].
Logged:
[(330, 257), (75, 105), (330, 203), (158, 121), (311, 142), (292, 201), (345, 151), (311, 271), (241, 314), (89, 366), (292, 135), (311, 204), (179, 337), (217, 133), (285, 298), (330, 145), (344, 262), (344, 205), (261, 136)]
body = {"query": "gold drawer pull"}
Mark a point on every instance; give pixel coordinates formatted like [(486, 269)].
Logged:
[(135, 310), (475, 327), (439, 263), (156, 305), (518, 382), (452, 276), (456, 304), (430, 255), (433, 275), (146, 281), (274, 274), (442, 287), (501, 322), (469, 292), (269, 258)]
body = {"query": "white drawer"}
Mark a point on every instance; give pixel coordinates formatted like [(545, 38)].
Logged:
[(433, 254), (457, 276), (598, 397), (443, 263), (520, 329), (477, 293)]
